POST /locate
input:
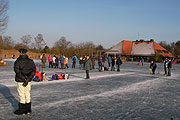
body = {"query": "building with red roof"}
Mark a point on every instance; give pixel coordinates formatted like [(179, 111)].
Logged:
[(138, 48)]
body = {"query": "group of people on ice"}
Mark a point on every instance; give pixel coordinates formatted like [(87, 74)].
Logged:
[(167, 67), (54, 62)]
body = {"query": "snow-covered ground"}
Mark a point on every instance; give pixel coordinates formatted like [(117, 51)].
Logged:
[(132, 94)]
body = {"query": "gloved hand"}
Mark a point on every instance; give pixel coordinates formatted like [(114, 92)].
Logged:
[(25, 83)]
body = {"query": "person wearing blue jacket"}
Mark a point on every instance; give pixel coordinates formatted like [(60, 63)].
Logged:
[(62, 62)]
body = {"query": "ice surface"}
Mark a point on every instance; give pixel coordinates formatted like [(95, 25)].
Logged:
[(131, 94)]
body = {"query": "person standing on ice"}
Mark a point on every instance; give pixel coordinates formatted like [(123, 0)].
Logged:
[(169, 67), (109, 61), (153, 66), (113, 63), (25, 70), (50, 60), (74, 59), (88, 66), (166, 67), (118, 63), (142, 61), (43, 60)]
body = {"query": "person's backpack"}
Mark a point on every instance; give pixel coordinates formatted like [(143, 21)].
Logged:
[(55, 77), (74, 59), (38, 73)]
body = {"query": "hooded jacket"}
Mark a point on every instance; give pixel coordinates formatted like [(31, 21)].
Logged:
[(24, 69)]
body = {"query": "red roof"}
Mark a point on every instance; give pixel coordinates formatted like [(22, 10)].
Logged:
[(159, 49), (127, 47)]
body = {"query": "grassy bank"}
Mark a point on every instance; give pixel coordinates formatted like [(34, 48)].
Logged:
[(10, 53)]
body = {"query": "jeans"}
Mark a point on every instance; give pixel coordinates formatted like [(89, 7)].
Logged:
[(169, 71)]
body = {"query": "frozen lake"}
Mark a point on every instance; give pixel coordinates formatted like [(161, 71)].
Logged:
[(132, 94)]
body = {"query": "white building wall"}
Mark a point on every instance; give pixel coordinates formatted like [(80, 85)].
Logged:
[(142, 49)]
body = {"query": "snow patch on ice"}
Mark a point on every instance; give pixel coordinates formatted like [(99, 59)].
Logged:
[(126, 89)]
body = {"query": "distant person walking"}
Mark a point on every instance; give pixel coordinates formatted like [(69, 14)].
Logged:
[(109, 61), (25, 70), (100, 63), (62, 62), (118, 63), (88, 66), (142, 61), (50, 60), (43, 60), (66, 62), (93, 62), (81, 63), (113, 63), (169, 67), (166, 67), (74, 59), (153, 67), (54, 61)]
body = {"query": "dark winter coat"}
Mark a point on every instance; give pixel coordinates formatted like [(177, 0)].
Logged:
[(170, 64), (153, 66), (119, 61), (24, 69), (113, 61), (88, 65)]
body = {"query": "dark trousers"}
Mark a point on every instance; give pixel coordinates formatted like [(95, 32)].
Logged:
[(87, 74), (169, 71), (56, 65), (153, 70), (50, 65), (118, 67), (109, 64), (112, 68), (67, 66), (62, 65), (74, 65)]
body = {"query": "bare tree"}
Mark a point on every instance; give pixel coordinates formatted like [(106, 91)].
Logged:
[(39, 42), (86, 48), (8, 42), (62, 44), (26, 39), (1, 41), (3, 15)]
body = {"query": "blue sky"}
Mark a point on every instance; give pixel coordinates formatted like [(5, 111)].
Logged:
[(105, 22)]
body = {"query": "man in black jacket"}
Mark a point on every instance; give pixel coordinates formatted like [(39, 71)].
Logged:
[(25, 70), (118, 63)]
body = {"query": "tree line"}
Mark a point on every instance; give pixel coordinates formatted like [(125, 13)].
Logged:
[(173, 47), (60, 47)]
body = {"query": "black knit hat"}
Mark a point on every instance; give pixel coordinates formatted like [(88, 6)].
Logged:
[(22, 50)]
